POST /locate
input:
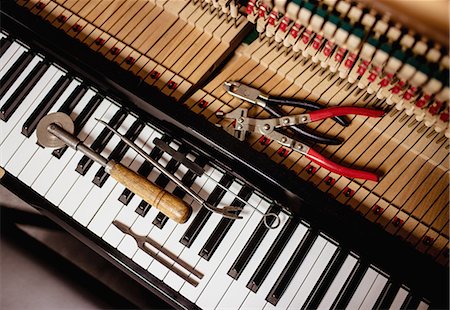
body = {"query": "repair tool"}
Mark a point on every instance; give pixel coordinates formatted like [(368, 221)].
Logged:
[(241, 124), (272, 105), (226, 211), (55, 131), (145, 243)]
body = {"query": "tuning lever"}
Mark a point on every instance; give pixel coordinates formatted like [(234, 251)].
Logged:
[(54, 130)]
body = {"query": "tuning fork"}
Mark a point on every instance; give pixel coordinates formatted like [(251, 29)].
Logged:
[(226, 211), (145, 242)]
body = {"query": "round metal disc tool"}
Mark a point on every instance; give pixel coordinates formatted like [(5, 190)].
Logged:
[(45, 138)]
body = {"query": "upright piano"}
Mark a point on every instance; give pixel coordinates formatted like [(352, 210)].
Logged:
[(154, 71)]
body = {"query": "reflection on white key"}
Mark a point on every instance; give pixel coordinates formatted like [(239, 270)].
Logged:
[(313, 276), (43, 155), (28, 148), (6, 64), (238, 292), (15, 138), (363, 289), (241, 229), (374, 292), (399, 299), (338, 282)]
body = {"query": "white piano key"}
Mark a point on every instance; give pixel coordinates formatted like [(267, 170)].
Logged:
[(362, 290), (258, 300), (114, 236), (7, 127), (69, 176), (216, 175), (19, 81), (55, 166), (15, 138), (28, 148), (423, 306), (191, 255), (399, 299), (338, 282), (374, 292), (43, 155), (9, 57), (97, 195), (220, 281), (237, 292), (111, 208), (6, 63), (307, 283), (76, 202)]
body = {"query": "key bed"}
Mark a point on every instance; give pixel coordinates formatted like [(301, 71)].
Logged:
[(323, 262)]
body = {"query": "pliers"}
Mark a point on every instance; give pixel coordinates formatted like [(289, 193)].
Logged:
[(241, 124), (271, 105)]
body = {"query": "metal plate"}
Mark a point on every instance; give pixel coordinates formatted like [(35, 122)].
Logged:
[(45, 138)]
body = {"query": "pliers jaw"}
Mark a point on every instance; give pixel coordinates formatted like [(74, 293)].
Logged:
[(238, 126), (246, 93)]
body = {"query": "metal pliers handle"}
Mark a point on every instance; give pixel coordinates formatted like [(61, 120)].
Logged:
[(271, 105)]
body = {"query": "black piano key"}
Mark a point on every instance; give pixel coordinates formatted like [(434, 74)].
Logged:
[(160, 219), (387, 296), (188, 179), (13, 73), (73, 99), (144, 170), (411, 302), (322, 286), (252, 244), (162, 182), (350, 286), (280, 286), (81, 120), (101, 141), (203, 214), (224, 226), (119, 152), (45, 105), (23, 90), (5, 43), (272, 255)]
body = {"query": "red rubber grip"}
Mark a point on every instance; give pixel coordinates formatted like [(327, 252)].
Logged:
[(341, 170), (340, 111)]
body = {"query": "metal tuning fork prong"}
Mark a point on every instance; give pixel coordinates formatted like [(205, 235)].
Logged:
[(227, 211), (145, 243)]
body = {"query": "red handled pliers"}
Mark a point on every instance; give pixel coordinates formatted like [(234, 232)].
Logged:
[(272, 105), (270, 128)]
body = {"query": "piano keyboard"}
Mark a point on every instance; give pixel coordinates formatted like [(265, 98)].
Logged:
[(245, 264), (416, 212)]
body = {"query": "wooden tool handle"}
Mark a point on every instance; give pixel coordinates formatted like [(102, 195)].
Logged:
[(170, 205)]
